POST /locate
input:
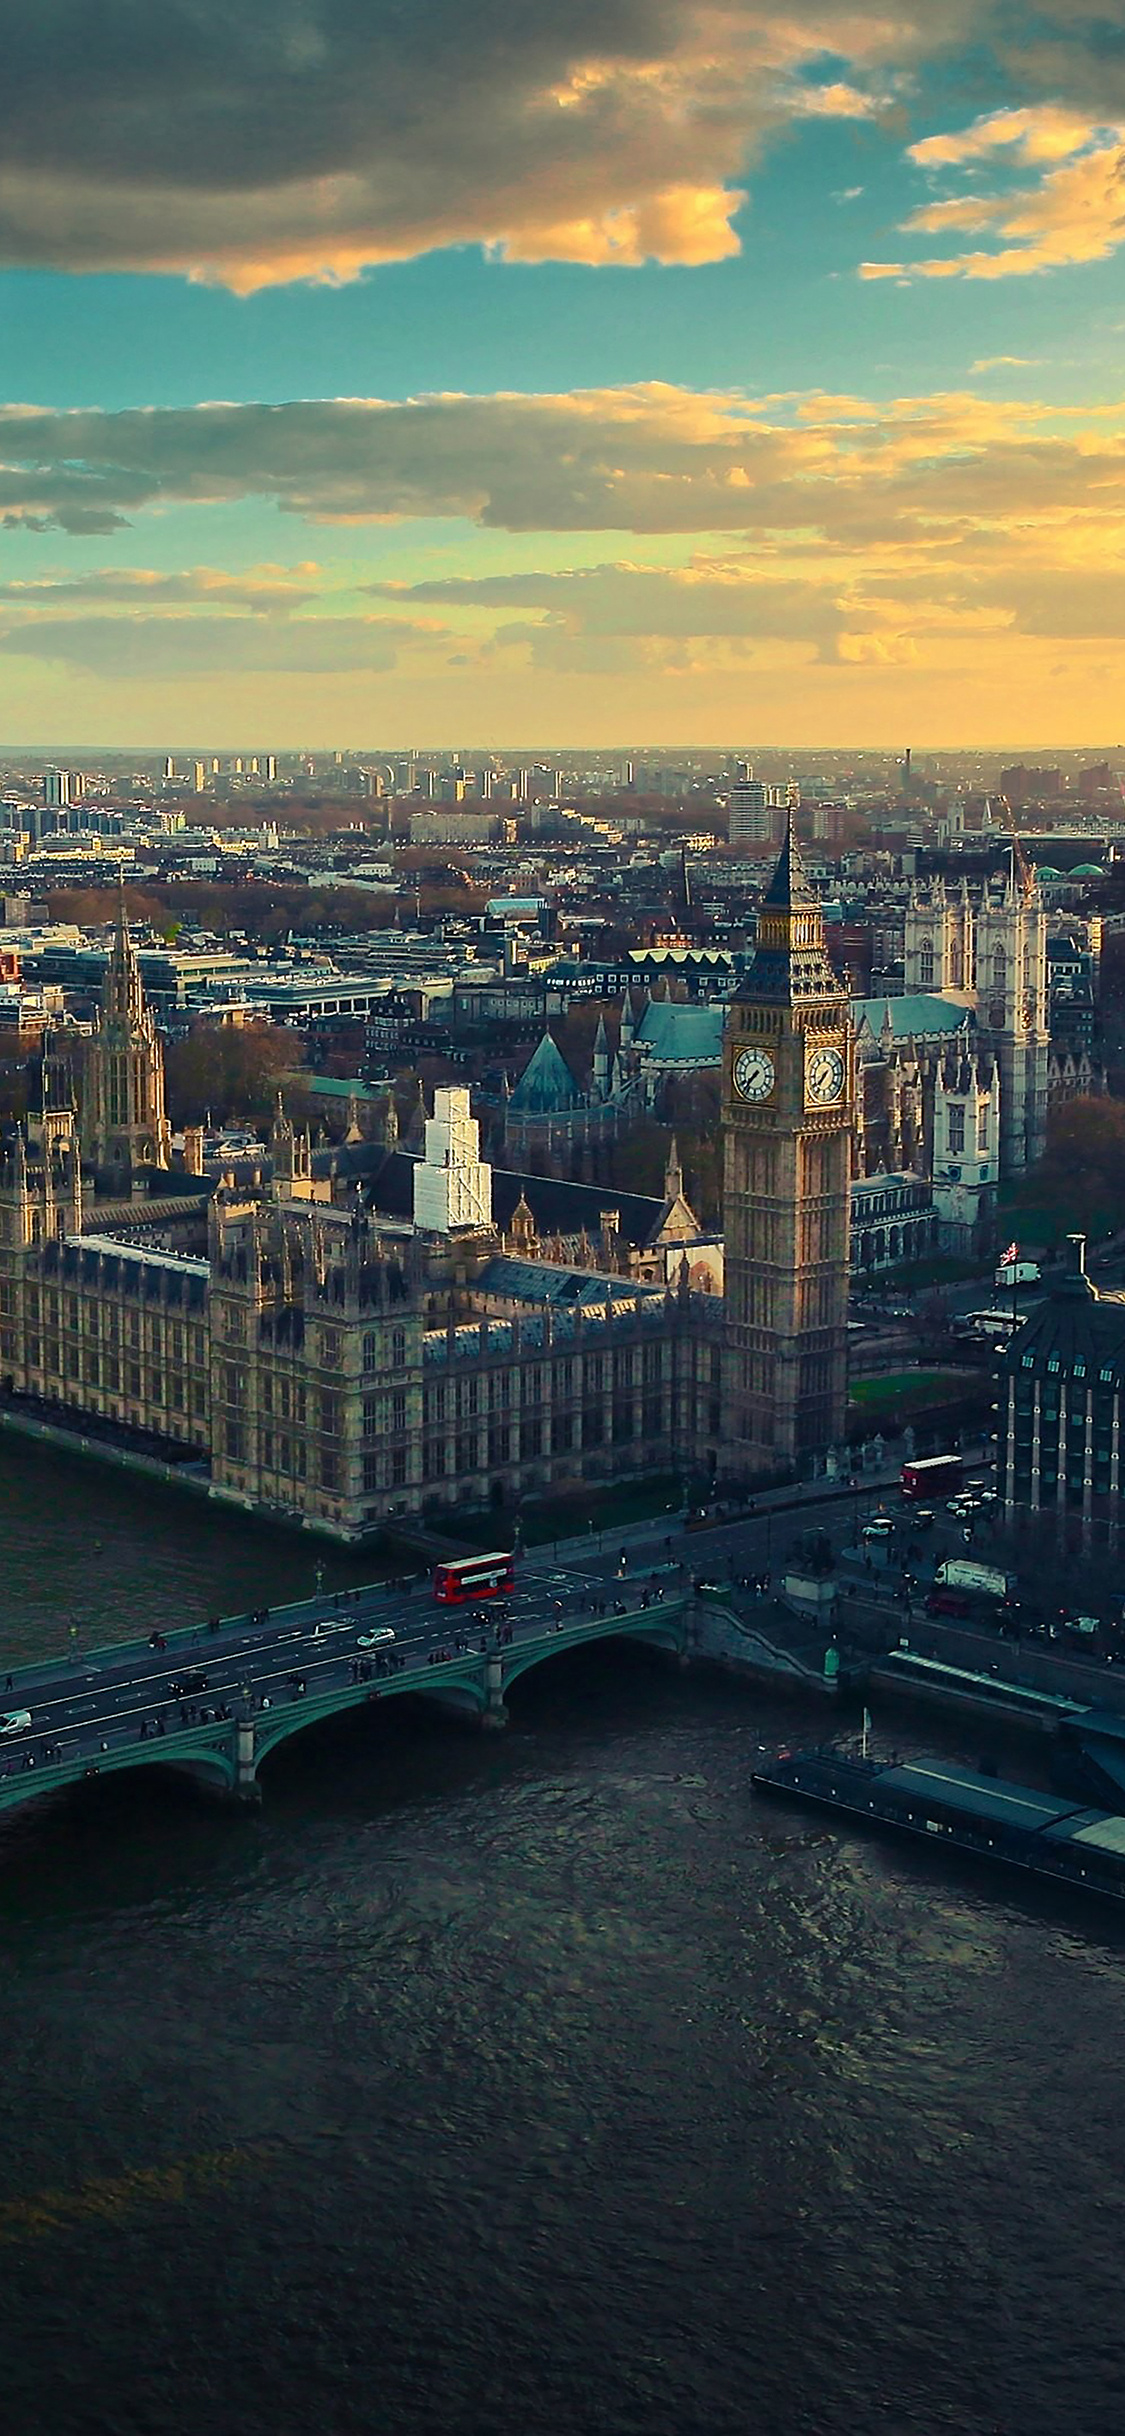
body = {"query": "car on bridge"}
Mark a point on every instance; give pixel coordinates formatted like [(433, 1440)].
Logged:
[(16, 1721), (375, 1640)]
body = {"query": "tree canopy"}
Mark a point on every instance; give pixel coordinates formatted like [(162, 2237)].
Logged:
[(230, 1072)]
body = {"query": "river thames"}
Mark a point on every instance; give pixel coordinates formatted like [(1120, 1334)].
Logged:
[(526, 2085)]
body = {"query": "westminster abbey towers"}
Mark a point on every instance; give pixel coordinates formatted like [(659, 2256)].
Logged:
[(989, 949)]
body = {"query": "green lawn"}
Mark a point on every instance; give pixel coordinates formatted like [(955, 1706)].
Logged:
[(910, 1391)]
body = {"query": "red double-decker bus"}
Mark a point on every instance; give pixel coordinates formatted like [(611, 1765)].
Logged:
[(474, 1577), (932, 1476)]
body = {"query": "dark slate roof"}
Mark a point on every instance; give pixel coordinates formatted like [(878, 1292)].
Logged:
[(790, 883), (1075, 1325), (790, 964), (683, 1033), (557, 1207), (920, 1016), (546, 1087), (540, 1281)]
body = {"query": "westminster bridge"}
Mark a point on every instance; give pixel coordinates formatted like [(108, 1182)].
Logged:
[(212, 1700)]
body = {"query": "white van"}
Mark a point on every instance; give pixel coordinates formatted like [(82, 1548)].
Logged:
[(16, 1721)]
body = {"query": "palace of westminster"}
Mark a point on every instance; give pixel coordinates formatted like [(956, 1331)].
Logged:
[(320, 1355)]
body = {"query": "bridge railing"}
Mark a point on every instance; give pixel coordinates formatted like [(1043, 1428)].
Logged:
[(81, 1658)]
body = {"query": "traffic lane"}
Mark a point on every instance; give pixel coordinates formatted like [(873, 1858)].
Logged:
[(239, 1633), (159, 1677), (351, 1610), (148, 1696)]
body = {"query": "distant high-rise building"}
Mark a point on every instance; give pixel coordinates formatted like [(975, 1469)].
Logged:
[(56, 788), (1023, 785), (269, 769), (170, 766), (199, 777), (1099, 784), (755, 812)]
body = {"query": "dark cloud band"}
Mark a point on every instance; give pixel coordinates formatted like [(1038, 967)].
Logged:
[(267, 140)]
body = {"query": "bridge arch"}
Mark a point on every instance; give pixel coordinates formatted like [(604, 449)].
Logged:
[(460, 1685), (653, 1625)]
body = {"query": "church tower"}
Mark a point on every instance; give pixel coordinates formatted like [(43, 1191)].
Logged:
[(125, 1125), (788, 1109), (1012, 1007)]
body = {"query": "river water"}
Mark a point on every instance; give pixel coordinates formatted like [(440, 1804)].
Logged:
[(532, 2085)]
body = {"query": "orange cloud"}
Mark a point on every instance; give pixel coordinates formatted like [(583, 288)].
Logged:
[(1075, 214)]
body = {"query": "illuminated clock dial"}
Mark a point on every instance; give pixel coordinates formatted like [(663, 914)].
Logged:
[(824, 1076), (753, 1074)]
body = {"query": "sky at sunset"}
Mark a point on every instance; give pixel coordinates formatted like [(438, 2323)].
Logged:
[(667, 371)]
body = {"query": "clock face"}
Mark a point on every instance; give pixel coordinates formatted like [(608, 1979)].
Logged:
[(752, 1074), (824, 1076)]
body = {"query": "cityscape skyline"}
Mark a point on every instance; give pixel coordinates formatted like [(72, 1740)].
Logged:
[(745, 368)]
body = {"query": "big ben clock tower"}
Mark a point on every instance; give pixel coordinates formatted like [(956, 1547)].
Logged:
[(788, 1104)]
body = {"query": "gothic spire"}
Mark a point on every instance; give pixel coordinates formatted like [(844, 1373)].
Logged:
[(122, 996), (790, 964)]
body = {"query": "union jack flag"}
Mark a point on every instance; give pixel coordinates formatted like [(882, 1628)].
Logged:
[(1012, 1253)]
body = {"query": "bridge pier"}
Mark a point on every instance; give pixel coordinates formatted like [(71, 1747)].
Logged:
[(494, 1714), (246, 1788)]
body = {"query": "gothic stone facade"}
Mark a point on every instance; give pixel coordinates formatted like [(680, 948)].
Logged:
[(338, 1371)]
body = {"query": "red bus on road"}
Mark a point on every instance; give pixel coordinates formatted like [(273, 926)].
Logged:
[(933, 1476), (474, 1577)]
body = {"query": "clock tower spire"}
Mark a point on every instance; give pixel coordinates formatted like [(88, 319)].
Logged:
[(788, 1107)]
